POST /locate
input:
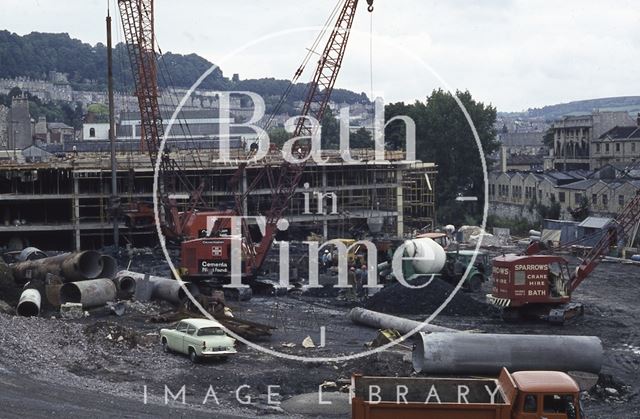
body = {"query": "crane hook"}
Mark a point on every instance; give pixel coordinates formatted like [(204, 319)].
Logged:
[(370, 8)]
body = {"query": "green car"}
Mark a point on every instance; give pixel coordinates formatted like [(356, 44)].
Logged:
[(198, 338)]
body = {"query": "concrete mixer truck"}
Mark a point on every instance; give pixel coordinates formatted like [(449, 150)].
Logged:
[(426, 256)]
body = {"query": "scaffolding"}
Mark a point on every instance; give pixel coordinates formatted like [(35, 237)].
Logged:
[(66, 201)]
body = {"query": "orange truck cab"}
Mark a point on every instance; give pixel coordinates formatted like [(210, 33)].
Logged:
[(521, 395), (546, 394)]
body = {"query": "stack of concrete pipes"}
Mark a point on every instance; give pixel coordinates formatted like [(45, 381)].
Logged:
[(81, 277)]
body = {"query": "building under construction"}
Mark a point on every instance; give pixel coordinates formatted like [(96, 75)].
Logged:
[(65, 203)]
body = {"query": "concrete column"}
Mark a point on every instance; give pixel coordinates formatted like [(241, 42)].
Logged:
[(325, 223), (76, 212), (400, 203)]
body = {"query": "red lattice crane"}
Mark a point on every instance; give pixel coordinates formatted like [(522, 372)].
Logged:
[(206, 257), (283, 180)]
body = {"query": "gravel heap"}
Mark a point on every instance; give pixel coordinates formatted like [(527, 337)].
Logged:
[(399, 299)]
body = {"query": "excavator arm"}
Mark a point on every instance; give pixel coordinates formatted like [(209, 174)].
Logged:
[(622, 227)]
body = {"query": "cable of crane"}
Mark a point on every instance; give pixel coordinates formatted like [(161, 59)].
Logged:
[(181, 120), (310, 52), (371, 49)]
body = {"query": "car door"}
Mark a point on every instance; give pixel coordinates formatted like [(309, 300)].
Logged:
[(529, 407), (187, 339), (176, 338), (558, 406)]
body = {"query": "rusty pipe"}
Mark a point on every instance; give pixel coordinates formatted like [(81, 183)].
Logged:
[(82, 266), (91, 293), (77, 266)]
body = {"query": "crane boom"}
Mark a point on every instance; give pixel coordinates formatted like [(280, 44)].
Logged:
[(624, 223), (317, 98), (138, 27)]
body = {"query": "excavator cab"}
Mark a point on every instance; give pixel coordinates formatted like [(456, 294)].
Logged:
[(519, 280)]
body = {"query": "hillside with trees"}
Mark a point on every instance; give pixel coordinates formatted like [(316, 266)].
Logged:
[(550, 113), (35, 54)]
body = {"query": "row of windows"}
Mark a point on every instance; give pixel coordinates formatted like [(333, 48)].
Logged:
[(503, 190), (617, 147)]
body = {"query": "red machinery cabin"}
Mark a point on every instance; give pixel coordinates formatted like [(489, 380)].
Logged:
[(529, 279)]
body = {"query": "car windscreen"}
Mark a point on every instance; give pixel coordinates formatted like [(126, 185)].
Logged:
[(210, 331)]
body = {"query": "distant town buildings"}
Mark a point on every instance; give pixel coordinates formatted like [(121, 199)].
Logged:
[(594, 165), (573, 137)]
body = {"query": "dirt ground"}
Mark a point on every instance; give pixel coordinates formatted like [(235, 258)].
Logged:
[(101, 365)]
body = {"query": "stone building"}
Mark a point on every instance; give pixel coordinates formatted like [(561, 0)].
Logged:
[(4, 139), (20, 135), (619, 145), (573, 137)]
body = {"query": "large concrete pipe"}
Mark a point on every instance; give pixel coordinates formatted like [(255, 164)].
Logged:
[(384, 321), (109, 267), (476, 353), (29, 304), (126, 284), (166, 289), (70, 266), (92, 293), (82, 266), (170, 290)]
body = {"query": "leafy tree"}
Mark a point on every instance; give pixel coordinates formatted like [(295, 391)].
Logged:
[(278, 136), (548, 138), (14, 92), (445, 137), (551, 211), (361, 139), (330, 138)]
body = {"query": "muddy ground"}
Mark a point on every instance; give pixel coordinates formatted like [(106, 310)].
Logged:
[(99, 366)]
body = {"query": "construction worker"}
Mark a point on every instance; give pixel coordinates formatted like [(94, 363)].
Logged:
[(350, 293), (362, 280)]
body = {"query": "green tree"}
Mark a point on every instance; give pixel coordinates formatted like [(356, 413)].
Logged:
[(361, 139), (548, 138), (551, 211), (330, 136), (278, 136), (445, 137)]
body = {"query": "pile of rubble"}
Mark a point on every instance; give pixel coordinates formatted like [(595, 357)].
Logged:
[(398, 298)]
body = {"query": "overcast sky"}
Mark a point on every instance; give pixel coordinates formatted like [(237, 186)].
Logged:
[(514, 54)]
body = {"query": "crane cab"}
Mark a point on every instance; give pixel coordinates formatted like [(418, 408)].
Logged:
[(520, 280)]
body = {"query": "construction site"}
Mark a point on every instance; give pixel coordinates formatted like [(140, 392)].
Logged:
[(67, 205), (193, 281)]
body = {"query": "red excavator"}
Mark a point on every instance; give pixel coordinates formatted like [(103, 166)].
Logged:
[(540, 286), (203, 233)]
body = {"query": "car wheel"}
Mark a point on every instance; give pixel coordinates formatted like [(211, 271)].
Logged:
[(165, 346), (193, 356), (475, 283)]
